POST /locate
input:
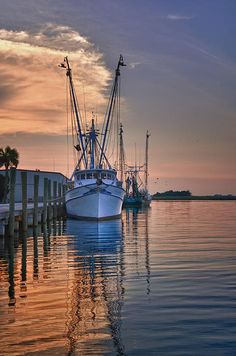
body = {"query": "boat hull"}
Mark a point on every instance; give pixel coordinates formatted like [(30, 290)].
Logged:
[(136, 202), (95, 202)]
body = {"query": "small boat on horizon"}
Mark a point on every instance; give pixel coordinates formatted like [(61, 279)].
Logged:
[(95, 192)]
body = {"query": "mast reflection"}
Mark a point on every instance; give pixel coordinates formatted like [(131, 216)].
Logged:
[(137, 232)]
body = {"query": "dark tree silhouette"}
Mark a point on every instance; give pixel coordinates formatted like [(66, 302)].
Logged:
[(9, 157), (171, 193)]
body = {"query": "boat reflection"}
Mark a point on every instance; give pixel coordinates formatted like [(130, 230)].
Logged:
[(137, 227), (95, 294), (92, 236)]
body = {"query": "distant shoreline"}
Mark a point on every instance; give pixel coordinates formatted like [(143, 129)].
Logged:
[(196, 197)]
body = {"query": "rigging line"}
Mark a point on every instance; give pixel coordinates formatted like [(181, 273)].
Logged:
[(80, 160), (116, 128), (73, 137), (107, 108), (117, 74), (110, 133), (73, 130), (67, 131), (106, 113), (77, 104), (72, 92), (141, 182), (96, 117), (79, 112), (76, 137), (118, 123), (85, 112), (110, 125), (103, 153)]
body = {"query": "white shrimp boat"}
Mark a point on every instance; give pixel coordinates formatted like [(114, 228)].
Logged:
[(97, 194), (94, 189)]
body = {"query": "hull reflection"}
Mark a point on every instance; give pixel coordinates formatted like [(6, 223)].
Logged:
[(93, 236), (95, 294)]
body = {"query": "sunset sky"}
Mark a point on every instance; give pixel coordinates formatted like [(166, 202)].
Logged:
[(179, 83)]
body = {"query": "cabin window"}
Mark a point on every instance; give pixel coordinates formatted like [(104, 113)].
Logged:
[(82, 176), (109, 176), (104, 175), (89, 175)]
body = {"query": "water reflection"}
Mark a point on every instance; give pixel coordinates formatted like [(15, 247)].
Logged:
[(11, 266), (137, 236), (35, 254), (96, 294), (161, 281), (23, 283), (65, 284)]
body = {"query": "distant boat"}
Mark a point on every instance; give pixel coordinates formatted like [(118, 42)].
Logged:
[(95, 192), (137, 194)]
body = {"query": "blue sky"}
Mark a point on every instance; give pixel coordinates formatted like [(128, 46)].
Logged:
[(180, 82)]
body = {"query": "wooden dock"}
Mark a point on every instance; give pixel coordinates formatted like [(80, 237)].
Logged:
[(5, 214), (18, 216)]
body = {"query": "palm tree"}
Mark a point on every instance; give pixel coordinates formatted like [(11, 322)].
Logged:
[(8, 158)]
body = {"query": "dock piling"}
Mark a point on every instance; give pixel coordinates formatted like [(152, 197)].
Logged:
[(12, 201), (59, 210), (54, 200), (36, 192), (24, 200), (45, 199), (49, 218), (64, 196)]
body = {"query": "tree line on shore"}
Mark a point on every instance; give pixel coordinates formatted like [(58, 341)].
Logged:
[(171, 193), (187, 195)]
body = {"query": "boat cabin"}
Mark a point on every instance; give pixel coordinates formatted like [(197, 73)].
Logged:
[(81, 175)]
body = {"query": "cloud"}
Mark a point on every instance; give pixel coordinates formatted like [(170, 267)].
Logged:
[(33, 87), (45, 151), (177, 17)]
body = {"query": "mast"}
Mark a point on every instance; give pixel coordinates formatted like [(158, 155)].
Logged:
[(75, 106), (146, 161), (110, 108), (122, 154), (92, 145)]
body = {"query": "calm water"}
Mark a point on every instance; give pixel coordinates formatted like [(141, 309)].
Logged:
[(158, 282)]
